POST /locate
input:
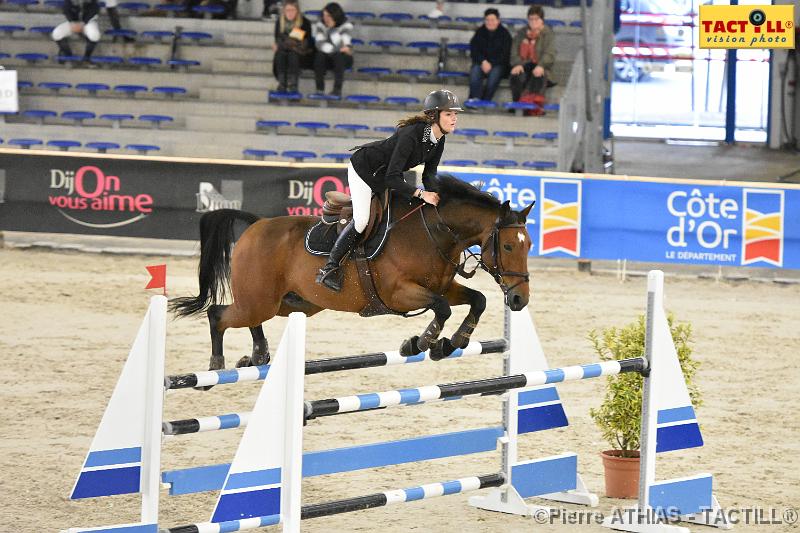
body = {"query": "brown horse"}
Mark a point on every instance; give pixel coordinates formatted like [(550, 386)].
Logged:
[(270, 272)]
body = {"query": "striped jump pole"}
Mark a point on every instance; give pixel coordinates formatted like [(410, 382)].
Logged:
[(348, 505), (323, 366)]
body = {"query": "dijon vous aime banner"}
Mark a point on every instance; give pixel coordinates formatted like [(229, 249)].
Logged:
[(655, 220)]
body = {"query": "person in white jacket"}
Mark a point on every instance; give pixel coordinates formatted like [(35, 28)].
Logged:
[(333, 39)]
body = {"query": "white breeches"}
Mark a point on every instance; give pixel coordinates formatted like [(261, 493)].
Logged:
[(361, 195), (91, 30)]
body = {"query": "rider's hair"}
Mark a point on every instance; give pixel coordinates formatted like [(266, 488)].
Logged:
[(427, 117)]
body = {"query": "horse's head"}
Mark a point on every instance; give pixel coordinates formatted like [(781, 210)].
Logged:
[(505, 255)]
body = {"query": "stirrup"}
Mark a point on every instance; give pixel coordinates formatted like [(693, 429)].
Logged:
[(330, 278)]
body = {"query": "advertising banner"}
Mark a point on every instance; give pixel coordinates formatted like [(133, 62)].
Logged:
[(654, 220)]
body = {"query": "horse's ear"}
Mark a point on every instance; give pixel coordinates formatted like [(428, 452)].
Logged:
[(523, 215)]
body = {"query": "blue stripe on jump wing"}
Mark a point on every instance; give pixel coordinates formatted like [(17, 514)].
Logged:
[(409, 395), (368, 401), (239, 505), (528, 397), (554, 376), (541, 418), (107, 482), (544, 476), (688, 496), (263, 370), (592, 371), (678, 437), (114, 457), (677, 414), (451, 487), (258, 478), (415, 358), (414, 494), (227, 376), (400, 451), (229, 421), (138, 528), (198, 479)]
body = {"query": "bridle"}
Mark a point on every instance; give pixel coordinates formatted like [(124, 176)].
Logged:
[(496, 270)]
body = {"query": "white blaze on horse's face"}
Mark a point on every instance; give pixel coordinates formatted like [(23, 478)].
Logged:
[(521, 236)]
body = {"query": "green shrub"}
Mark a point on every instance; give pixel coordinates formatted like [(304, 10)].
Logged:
[(619, 416)]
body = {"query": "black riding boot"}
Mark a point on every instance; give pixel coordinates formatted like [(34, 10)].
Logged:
[(331, 274)]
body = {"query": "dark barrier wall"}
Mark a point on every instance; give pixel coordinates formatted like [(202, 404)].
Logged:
[(149, 197)]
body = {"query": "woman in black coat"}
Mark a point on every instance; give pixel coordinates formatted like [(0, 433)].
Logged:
[(293, 46), (379, 165)]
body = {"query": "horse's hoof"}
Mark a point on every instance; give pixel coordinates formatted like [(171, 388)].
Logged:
[(459, 341), (217, 362), (244, 361), (441, 350), (258, 359), (410, 347)]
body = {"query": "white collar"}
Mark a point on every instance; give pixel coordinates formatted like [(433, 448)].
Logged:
[(431, 136)]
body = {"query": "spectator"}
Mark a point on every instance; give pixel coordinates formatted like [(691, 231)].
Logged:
[(113, 15), (332, 36), (490, 49), (293, 46), (532, 56), (437, 11), (81, 18)]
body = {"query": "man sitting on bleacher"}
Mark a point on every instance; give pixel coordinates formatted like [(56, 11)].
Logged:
[(82, 19)]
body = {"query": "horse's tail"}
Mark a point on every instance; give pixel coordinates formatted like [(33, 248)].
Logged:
[(216, 242)]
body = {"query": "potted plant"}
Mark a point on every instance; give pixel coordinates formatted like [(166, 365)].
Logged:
[(619, 415)]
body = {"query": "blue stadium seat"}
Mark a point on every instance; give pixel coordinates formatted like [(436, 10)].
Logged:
[(460, 162), (78, 116), (500, 163), (186, 63), (423, 46), (24, 84), (121, 33), (396, 17), (143, 148), (554, 23), (284, 97), (298, 155), (32, 58), (360, 15), (133, 6), (357, 42), (116, 118), (312, 127), (25, 143), (271, 126), (107, 60), (170, 91), (511, 136), (385, 129), (540, 165), (474, 103), (68, 59), (92, 88), (156, 120), (11, 28), (130, 90), (551, 107), (519, 107), (316, 13), (576, 24), (197, 36), (158, 35), (437, 20), (545, 135), (351, 129), (459, 47), (451, 74), (43, 30), (259, 153), (362, 99), (55, 86), (323, 99), (144, 61), (170, 8), (39, 114), (414, 73), (209, 9), (472, 133), (4, 55), (338, 157), (513, 21), (23, 3), (64, 144), (375, 72), (385, 44), (401, 100), (55, 4), (102, 146)]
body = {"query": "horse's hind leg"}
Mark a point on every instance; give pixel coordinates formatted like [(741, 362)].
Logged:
[(260, 355), (217, 354)]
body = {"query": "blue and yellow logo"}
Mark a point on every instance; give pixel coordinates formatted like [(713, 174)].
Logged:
[(762, 227), (560, 228)]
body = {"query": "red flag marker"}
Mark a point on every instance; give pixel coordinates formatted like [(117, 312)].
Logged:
[(158, 277)]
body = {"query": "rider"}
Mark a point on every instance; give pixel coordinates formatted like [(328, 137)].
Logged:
[(380, 165)]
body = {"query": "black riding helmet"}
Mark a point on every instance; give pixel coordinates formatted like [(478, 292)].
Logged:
[(441, 100)]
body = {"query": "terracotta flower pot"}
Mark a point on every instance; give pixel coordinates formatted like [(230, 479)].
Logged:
[(622, 474)]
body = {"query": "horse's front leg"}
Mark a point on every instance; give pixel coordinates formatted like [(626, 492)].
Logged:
[(420, 297), (459, 295)]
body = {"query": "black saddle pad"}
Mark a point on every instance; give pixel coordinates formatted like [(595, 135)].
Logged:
[(321, 236)]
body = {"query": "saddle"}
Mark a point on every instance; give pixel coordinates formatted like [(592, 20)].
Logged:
[(338, 209)]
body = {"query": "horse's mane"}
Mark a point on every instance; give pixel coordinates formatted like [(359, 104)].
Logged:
[(450, 189)]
